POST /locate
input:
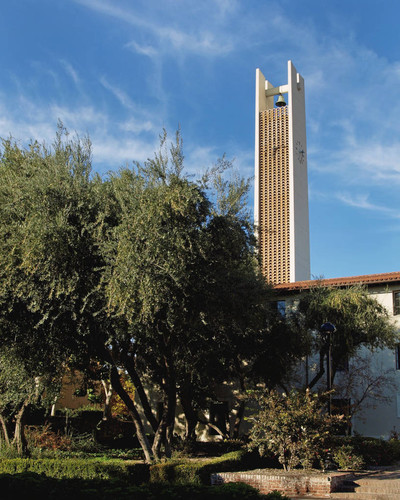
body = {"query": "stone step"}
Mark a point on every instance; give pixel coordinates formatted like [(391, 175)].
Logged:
[(373, 486), (364, 496)]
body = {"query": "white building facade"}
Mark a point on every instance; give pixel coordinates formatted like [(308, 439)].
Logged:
[(371, 376)]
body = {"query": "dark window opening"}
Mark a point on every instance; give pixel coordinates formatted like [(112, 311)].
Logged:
[(281, 307), (396, 303), (397, 355), (218, 416)]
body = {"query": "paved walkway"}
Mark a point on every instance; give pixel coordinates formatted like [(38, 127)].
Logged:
[(381, 483)]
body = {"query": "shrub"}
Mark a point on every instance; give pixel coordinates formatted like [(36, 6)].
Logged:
[(375, 452), (35, 486), (7, 451), (216, 448), (293, 426), (394, 447), (346, 458), (196, 472), (44, 437), (276, 495), (78, 468)]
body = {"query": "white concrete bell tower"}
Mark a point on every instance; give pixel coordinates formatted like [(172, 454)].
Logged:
[(281, 187)]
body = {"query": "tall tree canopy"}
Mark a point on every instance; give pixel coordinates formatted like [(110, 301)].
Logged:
[(145, 270)]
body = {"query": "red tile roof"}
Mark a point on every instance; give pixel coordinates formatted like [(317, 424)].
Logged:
[(367, 279)]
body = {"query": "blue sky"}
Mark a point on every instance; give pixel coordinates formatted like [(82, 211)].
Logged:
[(121, 70)]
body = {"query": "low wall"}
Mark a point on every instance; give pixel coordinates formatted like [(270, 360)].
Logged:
[(293, 483)]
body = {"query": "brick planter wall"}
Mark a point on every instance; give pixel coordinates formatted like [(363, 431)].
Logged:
[(294, 483)]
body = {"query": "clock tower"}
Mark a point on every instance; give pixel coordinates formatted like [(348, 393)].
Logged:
[(281, 187)]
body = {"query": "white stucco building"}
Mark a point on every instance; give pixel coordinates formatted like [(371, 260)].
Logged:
[(373, 372)]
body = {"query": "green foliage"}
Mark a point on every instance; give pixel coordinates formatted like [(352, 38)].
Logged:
[(373, 451), (196, 472), (393, 452), (117, 407), (101, 454), (293, 426), (8, 451), (44, 438), (19, 388), (359, 319), (82, 411), (347, 459), (136, 473), (17, 383), (48, 215), (145, 272), (35, 486)]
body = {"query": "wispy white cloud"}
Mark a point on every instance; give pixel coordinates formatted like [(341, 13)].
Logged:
[(362, 201), (137, 126), (353, 130), (378, 162), (361, 161), (111, 9), (113, 144), (193, 37), (71, 71), (111, 152), (118, 93), (205, 43), (140, 120), (145, 50), (79, 118)]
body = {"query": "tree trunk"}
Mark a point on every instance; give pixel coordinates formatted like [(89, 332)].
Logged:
[(19, 432), (239, 410), (160, 435), (5, 431), (53, 410), (207, 423), (165, 430), (108, 392), (190, 414), (129, 364), (235, 432), (171, 409), (117, 386)]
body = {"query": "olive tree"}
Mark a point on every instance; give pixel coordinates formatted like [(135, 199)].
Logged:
[(143, 271)]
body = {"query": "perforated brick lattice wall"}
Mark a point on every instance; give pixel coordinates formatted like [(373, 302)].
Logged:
[(274, 208)]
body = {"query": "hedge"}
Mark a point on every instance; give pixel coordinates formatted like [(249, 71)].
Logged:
[(171, 472), (374, 451), (30, 485), (134, 473), (196, 472)]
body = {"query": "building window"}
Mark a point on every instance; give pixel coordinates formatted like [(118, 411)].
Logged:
[(281, 307), (218, 416), (397, 355), (396, 303)]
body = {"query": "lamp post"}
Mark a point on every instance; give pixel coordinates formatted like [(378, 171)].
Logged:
[(327, 329)]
